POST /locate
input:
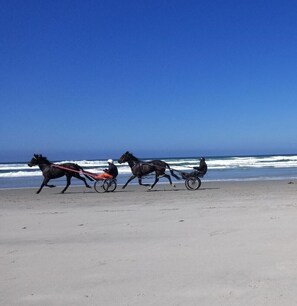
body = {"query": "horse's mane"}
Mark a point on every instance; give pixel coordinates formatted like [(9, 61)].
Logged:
[(42, 158), (132, 156)]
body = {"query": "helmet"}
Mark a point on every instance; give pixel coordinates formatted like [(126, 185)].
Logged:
[(110, 161)]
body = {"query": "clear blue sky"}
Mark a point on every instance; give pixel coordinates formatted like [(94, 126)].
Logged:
[(92, 79)]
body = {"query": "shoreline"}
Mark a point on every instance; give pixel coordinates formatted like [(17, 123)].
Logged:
[(228, 243), (220, 168), (177, 183)]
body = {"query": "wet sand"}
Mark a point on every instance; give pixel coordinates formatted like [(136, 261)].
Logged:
[(229, 243)]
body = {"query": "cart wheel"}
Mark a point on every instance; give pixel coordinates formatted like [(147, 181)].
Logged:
[(99, 186), (193, 183), (109, 185)]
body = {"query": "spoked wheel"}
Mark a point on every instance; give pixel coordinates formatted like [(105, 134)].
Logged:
[(99, 186), (193, 183), (110, 185)]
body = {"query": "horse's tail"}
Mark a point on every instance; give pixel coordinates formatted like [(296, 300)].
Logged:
[(172, 172)]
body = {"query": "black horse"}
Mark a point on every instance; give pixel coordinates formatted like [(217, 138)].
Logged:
[(140, 169), (52, 171)]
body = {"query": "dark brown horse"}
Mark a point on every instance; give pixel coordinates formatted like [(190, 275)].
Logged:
[(140, 169), (52, 171)]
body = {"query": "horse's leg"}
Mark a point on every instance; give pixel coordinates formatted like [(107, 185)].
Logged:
[(140, 182), (50, 186), (47, 185), (40, 188), (169, 179), (68, 177), (154, 183), (83, 179), (44, 183), (129, 180)]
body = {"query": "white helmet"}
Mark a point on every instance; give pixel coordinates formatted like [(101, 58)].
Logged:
[(110, 161)]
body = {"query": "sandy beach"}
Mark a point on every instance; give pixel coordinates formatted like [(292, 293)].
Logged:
[(229, 243)]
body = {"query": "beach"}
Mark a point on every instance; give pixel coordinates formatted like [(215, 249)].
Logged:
[(228, 243)]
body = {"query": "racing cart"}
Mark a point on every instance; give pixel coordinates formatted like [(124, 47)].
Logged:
[(105, 185), (192, 180)]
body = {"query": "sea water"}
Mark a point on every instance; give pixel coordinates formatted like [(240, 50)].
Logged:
[(220, 168)]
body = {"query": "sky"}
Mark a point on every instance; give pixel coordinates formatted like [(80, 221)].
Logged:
[(84, 79)]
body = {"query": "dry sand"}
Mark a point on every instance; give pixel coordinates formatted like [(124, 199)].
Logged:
[(225, 244)]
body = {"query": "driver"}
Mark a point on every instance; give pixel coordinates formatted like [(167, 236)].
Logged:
[(110, 173), (112, 169), (202, 168)]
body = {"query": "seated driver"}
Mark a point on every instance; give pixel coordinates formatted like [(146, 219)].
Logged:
[(202, 168), (110, 173)]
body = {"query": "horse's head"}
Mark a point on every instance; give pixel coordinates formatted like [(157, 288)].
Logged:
[(127, 157), (38, 159), (124, 158)]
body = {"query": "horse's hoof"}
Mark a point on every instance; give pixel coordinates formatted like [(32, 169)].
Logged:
[(89, 186), (123, 187), (173, 186)]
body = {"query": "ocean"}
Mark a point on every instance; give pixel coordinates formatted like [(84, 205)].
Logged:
[(220, 168)]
